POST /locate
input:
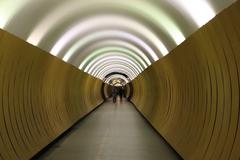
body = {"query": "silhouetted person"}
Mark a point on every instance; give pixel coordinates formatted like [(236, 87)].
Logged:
[(124, 92), (121, 93), (114, 94)]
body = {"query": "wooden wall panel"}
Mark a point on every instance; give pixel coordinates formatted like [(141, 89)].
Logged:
[(191, 96), (40, 97)]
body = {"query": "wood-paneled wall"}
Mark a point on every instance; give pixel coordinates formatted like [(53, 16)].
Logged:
[(191, 96), (40, 97)]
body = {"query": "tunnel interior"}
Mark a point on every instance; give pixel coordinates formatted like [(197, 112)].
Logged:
[(120, 79), (117, 81)]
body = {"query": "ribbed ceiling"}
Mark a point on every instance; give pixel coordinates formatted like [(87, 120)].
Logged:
[(105, 36)]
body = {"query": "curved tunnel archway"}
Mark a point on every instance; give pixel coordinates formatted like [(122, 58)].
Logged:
[(190, 96), (143, 30), (107, 89)]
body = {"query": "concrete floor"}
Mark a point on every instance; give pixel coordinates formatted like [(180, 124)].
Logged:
[(112, 132)]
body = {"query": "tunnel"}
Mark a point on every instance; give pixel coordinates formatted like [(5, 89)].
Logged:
[(120, 80)]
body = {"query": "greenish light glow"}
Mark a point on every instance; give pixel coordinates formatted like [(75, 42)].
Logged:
[(145, 8), (108, 63), (111, 69), (117, 66), (111, 49), (98, 63), (106, 34), (160, 18), (116, 56)]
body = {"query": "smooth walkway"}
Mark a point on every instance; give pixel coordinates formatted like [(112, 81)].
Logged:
[(111, 132)]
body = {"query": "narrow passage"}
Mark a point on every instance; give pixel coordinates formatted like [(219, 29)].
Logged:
[(112, 132)]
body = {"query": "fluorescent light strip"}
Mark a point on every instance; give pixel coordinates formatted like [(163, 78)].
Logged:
[(110, 51), (105, 21), (112, 45), (105, 34), (115, 67), (120, 70), (144, 8), (114, 56), (99, 63), (112, 59), (116, 63)]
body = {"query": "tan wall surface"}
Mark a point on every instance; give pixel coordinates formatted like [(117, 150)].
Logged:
[(40, 97), (192, 95)]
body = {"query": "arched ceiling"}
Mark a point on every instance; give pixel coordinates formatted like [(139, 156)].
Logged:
[(104, 36)]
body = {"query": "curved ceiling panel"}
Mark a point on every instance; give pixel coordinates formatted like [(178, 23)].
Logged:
[(128, 71), (94, 62), (114, 51), (110, 46), (107, 34), (116, 64), (120, 70), (86, 33), (102, 22), (109, 60)]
